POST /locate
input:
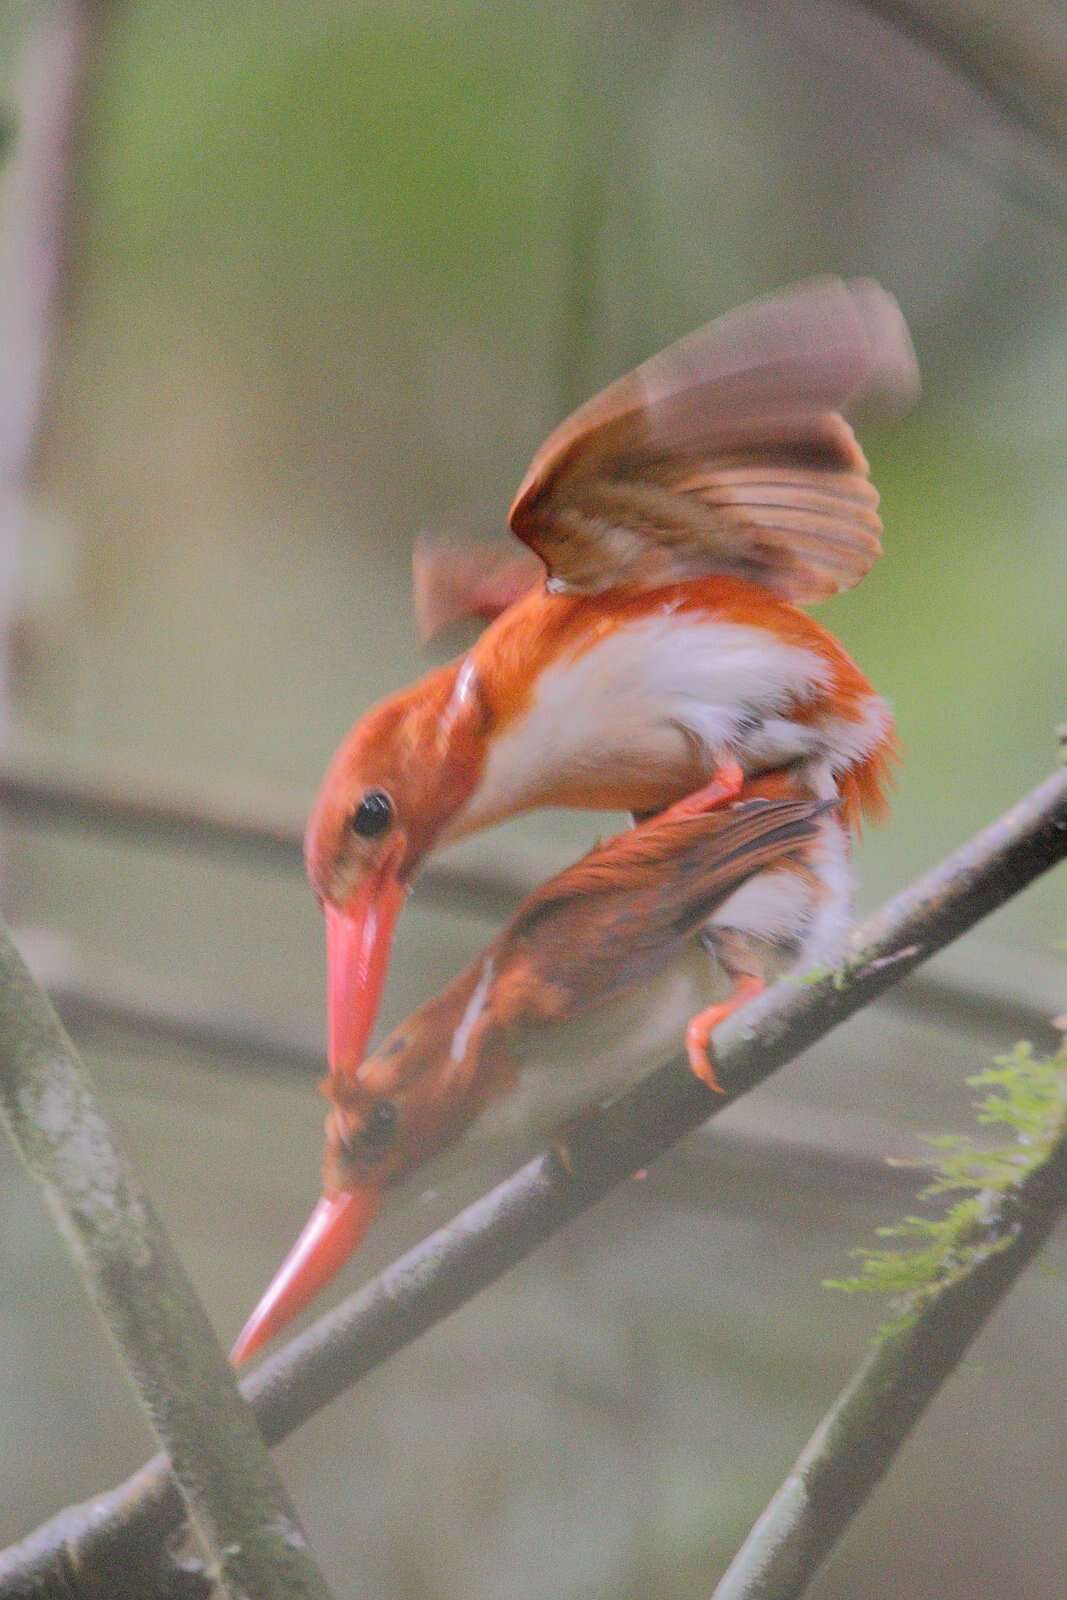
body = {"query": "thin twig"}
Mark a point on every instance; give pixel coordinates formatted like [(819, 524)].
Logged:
[(457, 1261), (233, 1494), (856, 1442)]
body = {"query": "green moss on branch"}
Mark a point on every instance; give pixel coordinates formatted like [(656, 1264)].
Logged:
[(945, 1288), (452, 1265)]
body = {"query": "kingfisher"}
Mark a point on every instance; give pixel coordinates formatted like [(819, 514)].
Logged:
[(649, 641)]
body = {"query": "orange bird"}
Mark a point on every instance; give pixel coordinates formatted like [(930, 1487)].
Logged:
[(674, 525), (611, 936)]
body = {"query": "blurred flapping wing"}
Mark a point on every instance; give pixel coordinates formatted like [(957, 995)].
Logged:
[(728, 453), (455, 580)]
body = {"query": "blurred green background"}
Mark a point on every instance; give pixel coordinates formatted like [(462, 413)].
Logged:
[(338, 268)]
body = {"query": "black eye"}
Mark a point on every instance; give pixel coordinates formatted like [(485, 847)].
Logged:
[(373, 814), (379, 1127)]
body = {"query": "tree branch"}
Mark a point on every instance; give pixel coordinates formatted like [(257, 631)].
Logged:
[(266, 830), (234, 1497), (457, 1261), (183, 815), (856, 1442), (1015, 56)]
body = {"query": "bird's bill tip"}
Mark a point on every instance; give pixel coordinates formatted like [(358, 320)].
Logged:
[(359, 939), (333, 1232)]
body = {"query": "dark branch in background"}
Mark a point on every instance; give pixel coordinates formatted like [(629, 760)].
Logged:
[(266, 830), (453, 1264), (53, 84), (856, 1442), (188, 817), (612, 71), (1015, 55), (233, 1494), (1014, 62)]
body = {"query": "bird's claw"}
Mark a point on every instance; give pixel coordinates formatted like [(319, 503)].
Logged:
[(724, 786), (701, 1027), (697, 1048)]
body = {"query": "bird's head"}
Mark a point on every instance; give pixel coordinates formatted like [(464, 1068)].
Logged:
[(413, 1096), (606, 924), (396, 782)]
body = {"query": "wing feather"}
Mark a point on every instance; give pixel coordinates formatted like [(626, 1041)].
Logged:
[(728, 453), (455, 580), (630, 902)]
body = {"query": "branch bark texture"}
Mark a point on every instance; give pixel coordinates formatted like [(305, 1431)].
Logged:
[(455, 1263), (856, 1442), (227, 1479)]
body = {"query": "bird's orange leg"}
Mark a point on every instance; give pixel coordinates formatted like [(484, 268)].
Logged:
[(702, 1026), (725, 785)]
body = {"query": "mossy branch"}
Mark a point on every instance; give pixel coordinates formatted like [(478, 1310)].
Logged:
[(945, 1289), (223, 1469), (128, 1524)]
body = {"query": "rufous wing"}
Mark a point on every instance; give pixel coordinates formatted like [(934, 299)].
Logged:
[(629, 904), (728, 453)]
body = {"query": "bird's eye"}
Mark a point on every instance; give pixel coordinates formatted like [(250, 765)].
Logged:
[(380, 1126), (373, 814)]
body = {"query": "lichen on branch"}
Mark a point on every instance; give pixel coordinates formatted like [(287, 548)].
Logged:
[(961, 1266), (130, 1523), (1029, 1096)]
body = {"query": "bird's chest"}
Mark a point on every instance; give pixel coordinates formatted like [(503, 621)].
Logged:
[(634, 716), (567, 1068)]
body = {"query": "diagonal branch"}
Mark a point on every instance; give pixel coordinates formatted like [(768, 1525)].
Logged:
[(234, 1497), (1016, 56), (453, 1264), (180, 813), (857, 1441)]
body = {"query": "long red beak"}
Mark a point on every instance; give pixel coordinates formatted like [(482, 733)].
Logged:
[(359, 937), (334, 1231)]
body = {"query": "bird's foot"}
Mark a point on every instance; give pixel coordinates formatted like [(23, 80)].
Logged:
[(724, 786), (703, 1025)]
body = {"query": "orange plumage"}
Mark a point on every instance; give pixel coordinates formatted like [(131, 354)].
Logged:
[(679, 518), (609, 936)]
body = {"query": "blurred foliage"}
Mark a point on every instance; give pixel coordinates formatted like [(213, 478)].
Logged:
[(344, 237), (317, 135)]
